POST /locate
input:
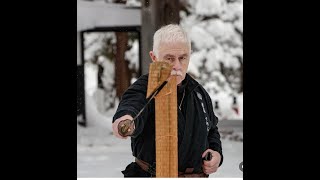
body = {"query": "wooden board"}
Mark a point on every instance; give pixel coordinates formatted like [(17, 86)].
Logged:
[(166, 123)]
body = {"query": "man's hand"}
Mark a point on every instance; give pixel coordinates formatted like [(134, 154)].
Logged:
[(212, 165), (116, 123)]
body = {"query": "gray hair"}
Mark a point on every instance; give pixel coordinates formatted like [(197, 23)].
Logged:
[(167, 34)]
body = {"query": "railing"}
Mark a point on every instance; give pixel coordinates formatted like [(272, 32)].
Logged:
[(230, 123)]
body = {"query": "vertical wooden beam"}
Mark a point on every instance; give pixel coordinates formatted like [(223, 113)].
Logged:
[(122, 73), (154, 14)]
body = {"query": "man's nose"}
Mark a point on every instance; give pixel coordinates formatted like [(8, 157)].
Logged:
[(177, 65)]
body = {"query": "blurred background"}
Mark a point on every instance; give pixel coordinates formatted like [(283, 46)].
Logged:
[(113, 41)]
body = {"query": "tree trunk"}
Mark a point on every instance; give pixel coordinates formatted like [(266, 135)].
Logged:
[(155, 13), (122, 73)]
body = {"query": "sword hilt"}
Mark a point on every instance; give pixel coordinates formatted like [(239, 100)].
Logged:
[(125, 127), (208, 157)]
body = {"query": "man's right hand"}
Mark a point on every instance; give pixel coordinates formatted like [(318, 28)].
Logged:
[(116, 123)]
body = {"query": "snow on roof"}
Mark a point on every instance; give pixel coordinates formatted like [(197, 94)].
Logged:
[(101, 14)]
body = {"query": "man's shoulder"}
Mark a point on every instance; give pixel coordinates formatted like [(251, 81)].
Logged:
[(193, 83), (198, 88), (204, 92), (142, 80), (143, 77)]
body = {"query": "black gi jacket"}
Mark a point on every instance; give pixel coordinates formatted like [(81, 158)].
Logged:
[(197, 124)]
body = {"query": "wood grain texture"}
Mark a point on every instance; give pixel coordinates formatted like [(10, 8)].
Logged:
[(165, 120)]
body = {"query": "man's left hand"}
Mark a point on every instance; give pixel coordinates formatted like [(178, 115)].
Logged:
[(212, 165)]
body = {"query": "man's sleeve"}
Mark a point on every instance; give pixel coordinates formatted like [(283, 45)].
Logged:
[(132, 102), (214, 135)]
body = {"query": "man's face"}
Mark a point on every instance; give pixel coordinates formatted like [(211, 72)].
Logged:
[(178, 55)]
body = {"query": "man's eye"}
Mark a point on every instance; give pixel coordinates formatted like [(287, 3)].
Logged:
[(169, 59), (183, 58)]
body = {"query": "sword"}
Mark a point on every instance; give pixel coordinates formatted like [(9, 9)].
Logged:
[(124, 126)]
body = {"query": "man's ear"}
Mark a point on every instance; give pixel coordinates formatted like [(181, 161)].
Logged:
[(152, 56)]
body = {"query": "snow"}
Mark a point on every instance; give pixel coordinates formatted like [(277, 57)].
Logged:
[(239, 24), (214, 57), (196, 63), (188, 21), (201, 38), (225, 102), (108, 73), (209, 8), (91, 14), (109, 159), (91, 80), (217, 44), (133, 3), (219, 29), (132, 55), (98, 51), (89, 53), (232, 12), (95, 42), (133, 80), (231, 61), (236, 51)]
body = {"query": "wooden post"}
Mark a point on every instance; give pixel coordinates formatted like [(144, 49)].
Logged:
[(166, 120), (122, 73)]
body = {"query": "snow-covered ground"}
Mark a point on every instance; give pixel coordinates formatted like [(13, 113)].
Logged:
[(101, 155), (112, 155)]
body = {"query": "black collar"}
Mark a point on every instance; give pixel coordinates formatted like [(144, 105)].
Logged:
[(183, 85)]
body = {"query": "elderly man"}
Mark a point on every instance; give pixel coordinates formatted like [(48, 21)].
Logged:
[(197, 124)]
